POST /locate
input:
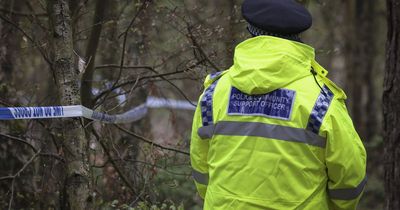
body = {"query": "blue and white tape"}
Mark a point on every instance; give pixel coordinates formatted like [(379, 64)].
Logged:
[(135, 114)]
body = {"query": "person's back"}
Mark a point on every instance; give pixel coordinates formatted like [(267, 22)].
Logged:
[(272, 132)]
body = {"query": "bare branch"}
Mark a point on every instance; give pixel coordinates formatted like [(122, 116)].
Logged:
[(42, 52), (105, 66), (5, 103), (125, 34), (148, 141), (18, 13), (20, 140), (12, 195), (199, 48), (23, 167), (164, 168), (13, 177), (157, 75), (119, 171)]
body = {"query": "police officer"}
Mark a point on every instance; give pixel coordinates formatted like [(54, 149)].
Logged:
[(273, 132)]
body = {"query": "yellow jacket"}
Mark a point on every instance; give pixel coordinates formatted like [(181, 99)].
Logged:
[(267, 134)]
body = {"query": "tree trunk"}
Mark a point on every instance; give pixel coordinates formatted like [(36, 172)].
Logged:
[(91, 51), (391, 107), (9, 43), (360, 50), (75, 147)]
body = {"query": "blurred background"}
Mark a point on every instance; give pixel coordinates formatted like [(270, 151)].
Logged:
[(171, 45)]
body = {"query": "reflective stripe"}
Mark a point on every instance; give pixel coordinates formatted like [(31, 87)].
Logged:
[(348, 194), (206, 132), (206, 104), (200, 177), (278, 132), (320, 108)]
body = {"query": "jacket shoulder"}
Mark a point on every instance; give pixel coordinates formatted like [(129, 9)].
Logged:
[(211, 78), (337, 91), (322, 72)]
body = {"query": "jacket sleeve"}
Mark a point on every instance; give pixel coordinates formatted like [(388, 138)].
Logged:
[(345, 159), (198, 155)]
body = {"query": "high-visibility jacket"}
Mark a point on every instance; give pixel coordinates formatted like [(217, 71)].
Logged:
[(268, 134)]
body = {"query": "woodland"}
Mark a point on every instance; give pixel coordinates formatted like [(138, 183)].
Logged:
[(111, 55)]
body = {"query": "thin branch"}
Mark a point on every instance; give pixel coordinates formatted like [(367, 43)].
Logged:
[(106, 66), (91, 52), (20, 140), (90, 27), (35, 18), (23, 167), (13, 177), (162, 76), (12, 195), (119, 171), (18, 13), (199, 48), (28, 37), (5, 103), (179, 90), (176, 87), (125, 34), (148, 141), (33, 147), (58, 157), (164, 168)]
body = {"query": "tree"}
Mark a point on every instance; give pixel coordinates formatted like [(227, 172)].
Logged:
[(87, 77), (391, 107), (360, 51), (75, 145)]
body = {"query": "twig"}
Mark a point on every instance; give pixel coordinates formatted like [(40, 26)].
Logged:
[(198, 47), (125, 33), (127, 97), (105, 148), (13, 177), (162, 76), (12, 195), (33, 147), (22, 13), (164, 168), (28, 37), (5, 103), (35, 18), (173, 85), (23, 167), (150, 141), (90, 28), (105, 66), (58, 157), (20, 140)]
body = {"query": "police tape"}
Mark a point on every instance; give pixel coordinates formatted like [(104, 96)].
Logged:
[(135, 114)]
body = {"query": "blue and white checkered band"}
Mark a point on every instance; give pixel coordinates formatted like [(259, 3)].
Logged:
[(215, 75), (206, 104), (255, 31), (320, 108)]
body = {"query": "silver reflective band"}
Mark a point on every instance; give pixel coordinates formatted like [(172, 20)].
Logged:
[(200, 177), (348, 194), (257, 129), (206, 132)]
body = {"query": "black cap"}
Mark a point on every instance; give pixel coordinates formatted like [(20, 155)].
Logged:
[(276, 17)]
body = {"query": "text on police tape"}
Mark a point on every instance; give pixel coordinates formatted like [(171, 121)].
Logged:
[(37, 112)]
